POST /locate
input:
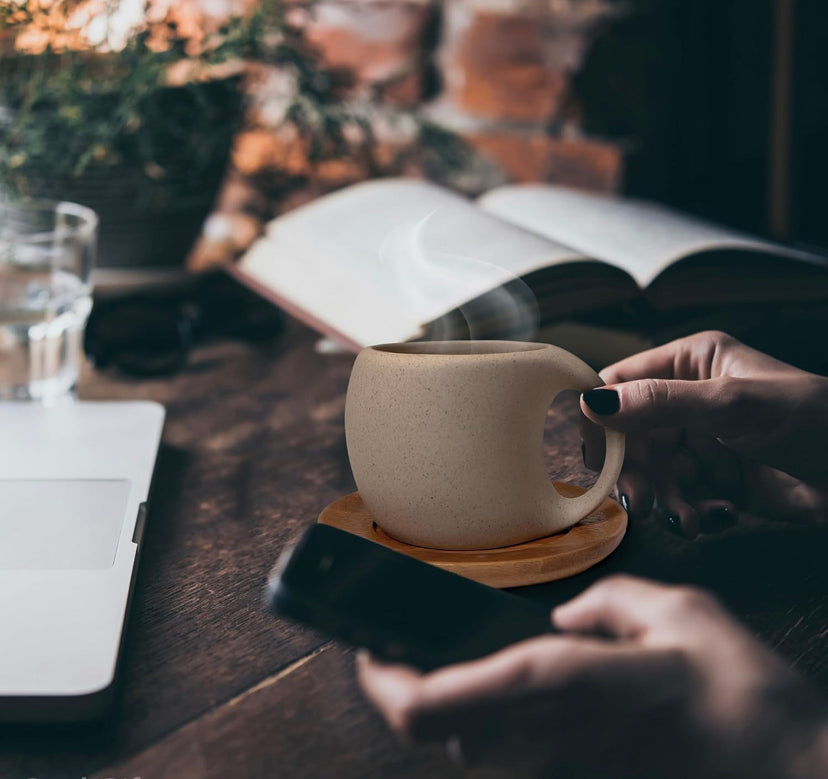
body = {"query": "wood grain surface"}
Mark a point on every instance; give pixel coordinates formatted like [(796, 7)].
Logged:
[(543, 560), (212, 686)]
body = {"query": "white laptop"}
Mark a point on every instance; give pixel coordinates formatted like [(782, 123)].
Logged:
[(74, 482)]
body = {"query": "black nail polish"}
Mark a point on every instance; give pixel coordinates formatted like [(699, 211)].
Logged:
[(583, 453), (602, 401), (625, 503), (718, 519), (673, 524)]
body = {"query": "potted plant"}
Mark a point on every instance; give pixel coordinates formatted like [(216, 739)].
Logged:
[(134, 118)]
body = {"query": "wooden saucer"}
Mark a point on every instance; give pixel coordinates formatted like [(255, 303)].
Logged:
[(543, 560)]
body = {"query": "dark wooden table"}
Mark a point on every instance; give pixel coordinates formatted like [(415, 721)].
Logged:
[(212, 686)]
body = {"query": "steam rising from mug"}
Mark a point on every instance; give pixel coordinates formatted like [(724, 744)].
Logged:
[(501, 304)]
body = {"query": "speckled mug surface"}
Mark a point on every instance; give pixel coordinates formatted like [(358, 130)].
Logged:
[(445, 440)]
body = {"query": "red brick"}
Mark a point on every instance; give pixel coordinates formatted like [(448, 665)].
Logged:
[(405, 91), (527, 157), (283, 150), (513, 61), (521, 156), (493, 65), (375, 41), (585, 163)]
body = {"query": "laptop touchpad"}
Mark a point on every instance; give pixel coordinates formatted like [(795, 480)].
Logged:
[(60, 524)]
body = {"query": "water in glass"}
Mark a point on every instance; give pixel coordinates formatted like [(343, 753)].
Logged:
[(44, 304)]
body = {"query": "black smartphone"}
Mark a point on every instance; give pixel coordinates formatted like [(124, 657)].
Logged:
[(401, 609)]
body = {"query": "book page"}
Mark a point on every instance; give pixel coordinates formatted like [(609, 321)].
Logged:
[(377, 261), (641, 238)]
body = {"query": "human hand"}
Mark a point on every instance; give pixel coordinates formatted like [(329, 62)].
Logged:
[(712, 427), (680, 691)]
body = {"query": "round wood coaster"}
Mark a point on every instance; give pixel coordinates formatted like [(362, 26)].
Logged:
[(543, 560)]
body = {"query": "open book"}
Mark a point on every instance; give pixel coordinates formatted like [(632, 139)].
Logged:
[(399, 259)]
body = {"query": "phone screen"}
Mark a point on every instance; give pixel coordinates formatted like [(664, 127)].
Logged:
[(399, 608)]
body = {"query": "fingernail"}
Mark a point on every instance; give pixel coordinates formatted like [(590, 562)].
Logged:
[(718, 519), (583, 453), (602, 401), (625, 503), (673, 524)]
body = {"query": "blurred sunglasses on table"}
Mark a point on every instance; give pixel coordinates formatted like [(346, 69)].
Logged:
[(151, 333)]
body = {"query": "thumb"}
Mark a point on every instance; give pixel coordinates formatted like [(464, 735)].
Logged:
[(706, 405)]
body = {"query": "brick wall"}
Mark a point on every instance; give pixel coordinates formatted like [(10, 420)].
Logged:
[(497, 74)]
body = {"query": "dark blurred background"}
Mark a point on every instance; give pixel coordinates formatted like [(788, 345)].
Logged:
[(726, 105), (719, 107)]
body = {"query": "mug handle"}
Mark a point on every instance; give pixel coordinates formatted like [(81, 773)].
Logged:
[(573, 373)]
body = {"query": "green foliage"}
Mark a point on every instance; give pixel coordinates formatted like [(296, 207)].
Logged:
[(65, 115), (74, 116)]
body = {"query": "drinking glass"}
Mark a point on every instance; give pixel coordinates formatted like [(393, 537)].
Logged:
[(47, 252)]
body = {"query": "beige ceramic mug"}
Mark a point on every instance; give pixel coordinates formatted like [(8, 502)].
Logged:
[(445, 440)]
